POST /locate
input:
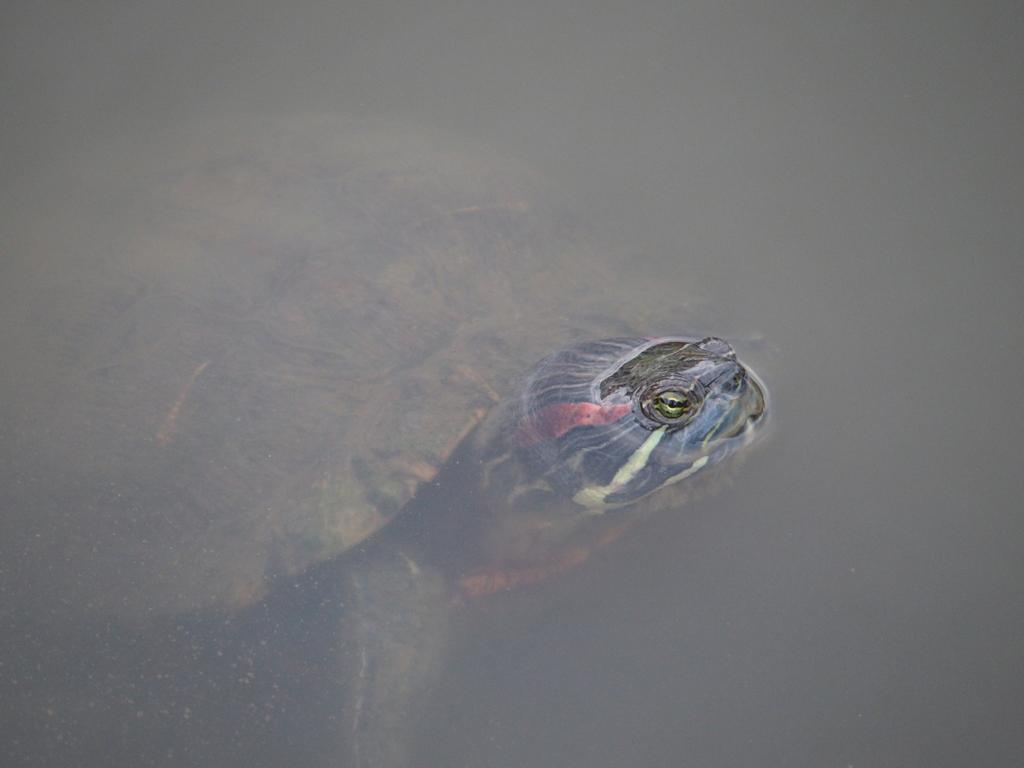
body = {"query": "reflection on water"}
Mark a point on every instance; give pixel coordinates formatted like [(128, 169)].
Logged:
[(845, 183)]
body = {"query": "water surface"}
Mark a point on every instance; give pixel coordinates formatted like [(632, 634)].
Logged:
[(842, 188)]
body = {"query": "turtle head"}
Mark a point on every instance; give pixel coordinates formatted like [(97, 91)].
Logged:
[(607, 423)]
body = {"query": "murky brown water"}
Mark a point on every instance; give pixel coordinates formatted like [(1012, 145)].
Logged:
[(843, 184)]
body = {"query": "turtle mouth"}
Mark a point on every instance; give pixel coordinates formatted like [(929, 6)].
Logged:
[(744, 416)]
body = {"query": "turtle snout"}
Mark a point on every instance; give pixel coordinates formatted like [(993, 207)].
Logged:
[(753, 399)]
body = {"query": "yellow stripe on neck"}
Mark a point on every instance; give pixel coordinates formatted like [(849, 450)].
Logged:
[(593, 496)]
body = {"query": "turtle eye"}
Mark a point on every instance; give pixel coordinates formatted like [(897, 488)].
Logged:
[(671, 405)]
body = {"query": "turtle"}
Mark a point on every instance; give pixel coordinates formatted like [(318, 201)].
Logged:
[(268, 342)]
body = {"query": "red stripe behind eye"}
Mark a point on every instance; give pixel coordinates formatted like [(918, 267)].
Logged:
[(555, 420)]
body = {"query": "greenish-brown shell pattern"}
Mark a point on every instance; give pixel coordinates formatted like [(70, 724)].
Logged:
[(268, 335)]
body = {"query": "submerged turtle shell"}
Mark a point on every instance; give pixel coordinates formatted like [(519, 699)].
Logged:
[(250, 342)]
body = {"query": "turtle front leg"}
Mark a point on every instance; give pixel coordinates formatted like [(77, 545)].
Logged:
[(395, 642)]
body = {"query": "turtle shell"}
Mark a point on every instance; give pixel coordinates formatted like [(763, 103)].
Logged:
[(256, 339)]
